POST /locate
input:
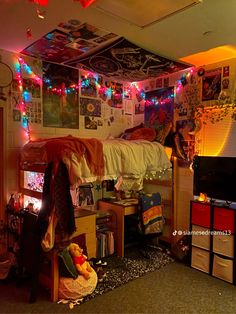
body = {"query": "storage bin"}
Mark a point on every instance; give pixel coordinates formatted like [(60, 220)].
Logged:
[(223, 268), (201, 237), (223, 244), (200, 259), (201, 214), (223, 219)]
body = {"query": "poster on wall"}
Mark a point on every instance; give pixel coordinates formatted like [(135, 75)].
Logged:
[(139, 107), (90, 107), (159, 111), (159, 107), (88, 86), (211, 84), (116, 100), (90, 123), (32, 87), (60, 100), (185, 131), (16, 115)]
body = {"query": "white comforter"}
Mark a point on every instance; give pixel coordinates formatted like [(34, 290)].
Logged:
[(130, 161)]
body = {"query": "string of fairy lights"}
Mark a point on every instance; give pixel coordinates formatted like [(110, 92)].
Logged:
[(86, 81), (21, 66)]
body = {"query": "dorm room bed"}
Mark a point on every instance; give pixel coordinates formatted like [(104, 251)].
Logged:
[(87, 160)]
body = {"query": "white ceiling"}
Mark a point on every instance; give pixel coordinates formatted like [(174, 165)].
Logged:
[(206, 25)]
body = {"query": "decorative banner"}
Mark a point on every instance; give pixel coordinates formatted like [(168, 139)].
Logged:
[(125, 61)]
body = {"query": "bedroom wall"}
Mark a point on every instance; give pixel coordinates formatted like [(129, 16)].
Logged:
[(112, 121), (212, 136)]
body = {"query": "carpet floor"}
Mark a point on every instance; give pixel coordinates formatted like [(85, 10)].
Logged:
[(136, 263), (174, 288)]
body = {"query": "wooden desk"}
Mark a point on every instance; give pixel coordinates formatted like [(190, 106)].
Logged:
[(121, 209)]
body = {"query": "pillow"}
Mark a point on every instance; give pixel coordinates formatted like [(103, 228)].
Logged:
[(66, 265), (147, 134), (134, 128)]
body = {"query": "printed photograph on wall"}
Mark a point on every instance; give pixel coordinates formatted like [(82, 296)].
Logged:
[(85, 195), (90, 107), (90, 123), (31, 87), (184, 139), (226, 71), (60, 99), (211, 84), (139, 107), (16, 114), (88, 86), (16, 99), (116, 100), (159, 83)]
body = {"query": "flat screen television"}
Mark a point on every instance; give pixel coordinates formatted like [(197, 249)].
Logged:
[(215, 176)]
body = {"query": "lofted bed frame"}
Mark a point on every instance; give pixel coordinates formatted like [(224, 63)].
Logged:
[(88, 160)]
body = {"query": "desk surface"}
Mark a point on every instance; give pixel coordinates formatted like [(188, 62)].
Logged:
[(124, 202)]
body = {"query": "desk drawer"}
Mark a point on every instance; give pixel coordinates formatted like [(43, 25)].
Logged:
[(85, 224), (200, 259), (224, 219), (223, 268), (223, 244), (201, 214)]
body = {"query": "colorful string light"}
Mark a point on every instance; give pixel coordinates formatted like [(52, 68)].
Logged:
[(25, 96)]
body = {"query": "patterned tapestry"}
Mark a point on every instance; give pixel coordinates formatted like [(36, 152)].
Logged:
[(123, 60)]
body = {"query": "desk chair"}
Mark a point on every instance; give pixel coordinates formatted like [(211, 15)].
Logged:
[(150, 219)]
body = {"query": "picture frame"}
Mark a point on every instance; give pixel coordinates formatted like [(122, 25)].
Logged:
[(85, 197)]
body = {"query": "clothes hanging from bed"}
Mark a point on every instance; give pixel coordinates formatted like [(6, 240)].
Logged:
[(150, 209), (56, 192)]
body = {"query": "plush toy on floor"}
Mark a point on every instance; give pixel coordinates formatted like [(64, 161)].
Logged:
[(80, 260)]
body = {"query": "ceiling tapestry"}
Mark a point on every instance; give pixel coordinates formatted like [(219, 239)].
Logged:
[(85, 46), (124, 60)]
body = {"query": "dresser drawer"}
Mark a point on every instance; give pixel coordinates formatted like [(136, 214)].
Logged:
[(223, 219), (222, 268), (201, 237), (201, 214), (200, 259), (223, 244)]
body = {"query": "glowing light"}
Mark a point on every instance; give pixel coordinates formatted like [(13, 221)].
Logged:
[(26, 96)]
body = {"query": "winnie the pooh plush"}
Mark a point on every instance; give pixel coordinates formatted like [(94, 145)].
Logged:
[(80, 260)]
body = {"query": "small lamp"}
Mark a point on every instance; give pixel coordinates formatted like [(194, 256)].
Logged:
[(202, 197)]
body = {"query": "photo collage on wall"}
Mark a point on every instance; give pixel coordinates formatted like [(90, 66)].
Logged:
[(31, 98), (99, 99)]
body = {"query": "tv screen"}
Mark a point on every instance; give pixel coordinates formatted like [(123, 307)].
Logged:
[(215, 176)]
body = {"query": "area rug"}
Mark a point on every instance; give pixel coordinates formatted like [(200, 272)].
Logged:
[(134, 264)]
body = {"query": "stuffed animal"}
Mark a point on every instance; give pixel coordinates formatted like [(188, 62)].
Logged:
[(80, 260)]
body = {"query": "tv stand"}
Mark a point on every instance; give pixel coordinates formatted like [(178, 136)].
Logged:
[(213, 239)]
